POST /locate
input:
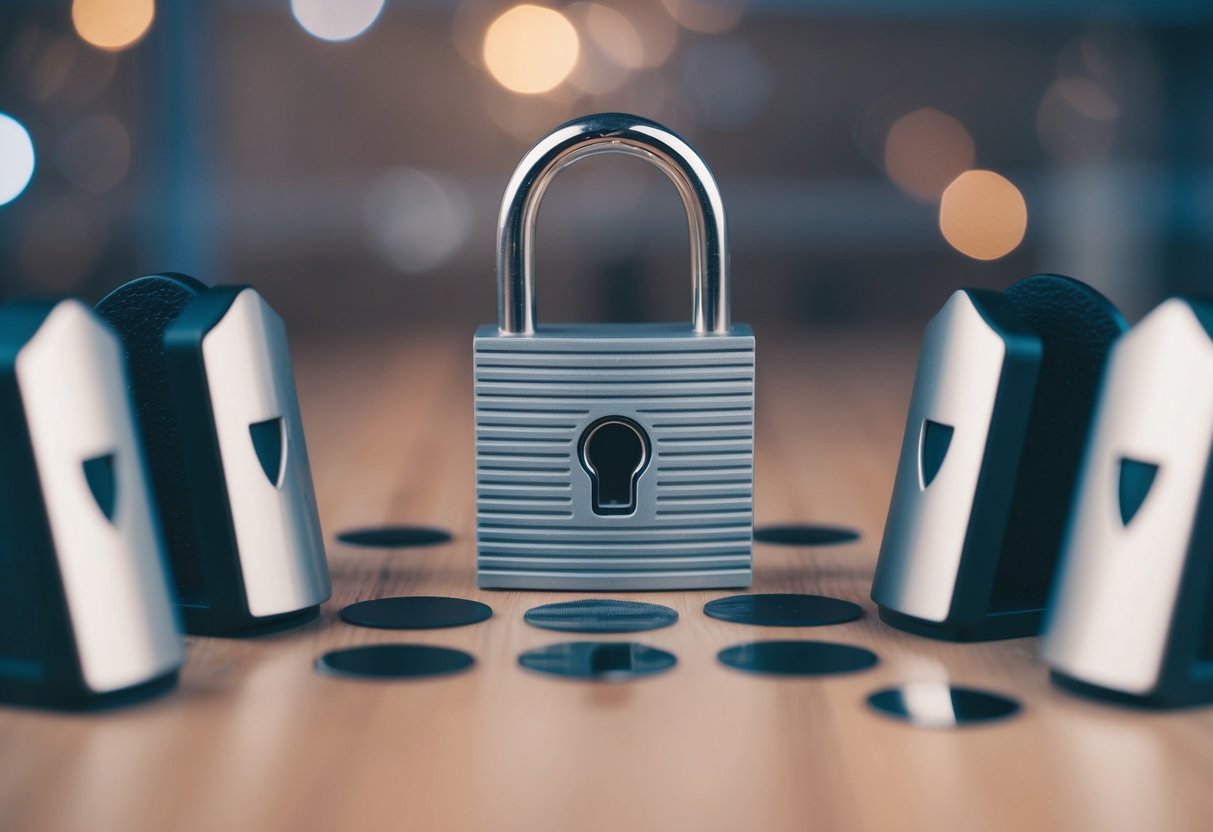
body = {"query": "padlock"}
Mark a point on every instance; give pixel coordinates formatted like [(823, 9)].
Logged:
[(212, 381), (614, 456), (1131, 618), (85, 614)]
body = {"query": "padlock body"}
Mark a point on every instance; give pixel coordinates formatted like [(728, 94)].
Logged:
[(693, 398)]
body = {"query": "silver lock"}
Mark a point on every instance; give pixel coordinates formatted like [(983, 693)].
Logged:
[(1132, 614), (614, 456)]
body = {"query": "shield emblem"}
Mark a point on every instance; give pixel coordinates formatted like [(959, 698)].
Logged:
[(932, 448), (1136, 478), (269, 442), (99, 474)]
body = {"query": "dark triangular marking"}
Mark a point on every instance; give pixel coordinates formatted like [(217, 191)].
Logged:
[(267, 442), (1136, 478), (99, 473), (932, 448)]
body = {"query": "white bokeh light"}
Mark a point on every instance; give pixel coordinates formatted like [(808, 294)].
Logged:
[(336, 20), (16, 158), (419, 219)]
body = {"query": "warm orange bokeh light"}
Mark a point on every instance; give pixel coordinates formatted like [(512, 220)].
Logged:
[(112, 24), (707, 16), (614, 35), (531, 49), (983, 215), (925, 150)]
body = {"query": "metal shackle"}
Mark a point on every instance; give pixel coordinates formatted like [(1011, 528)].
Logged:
[(612, 133)]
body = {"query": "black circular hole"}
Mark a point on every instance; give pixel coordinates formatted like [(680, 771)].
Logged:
[(796, 658), (416, 612), (606, 661), (394, 661), (805, 535), (783, 610), (937, 705), (394, 537), (601, 615)]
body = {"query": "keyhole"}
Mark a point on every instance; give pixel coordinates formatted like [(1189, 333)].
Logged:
[(614, 451)]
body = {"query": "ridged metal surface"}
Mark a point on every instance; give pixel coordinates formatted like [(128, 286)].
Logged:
[(693, 395)]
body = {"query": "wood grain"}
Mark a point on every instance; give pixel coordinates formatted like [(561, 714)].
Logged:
[(254, 738)]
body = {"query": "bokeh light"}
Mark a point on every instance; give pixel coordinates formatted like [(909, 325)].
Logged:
[(1088, 98), (531, 49), (614, 35), (50, 66), (94, 153), (46, 66), (16, 158), (925, 150), (419, 219), (336, 20), (1076, 120), (610, 48), (708, 16), (983, 215), (112, 24), (658, 31)]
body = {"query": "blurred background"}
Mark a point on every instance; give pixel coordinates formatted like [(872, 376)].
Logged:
[(348, 157)]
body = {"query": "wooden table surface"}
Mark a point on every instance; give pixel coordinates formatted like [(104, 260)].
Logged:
[(255, 739)]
